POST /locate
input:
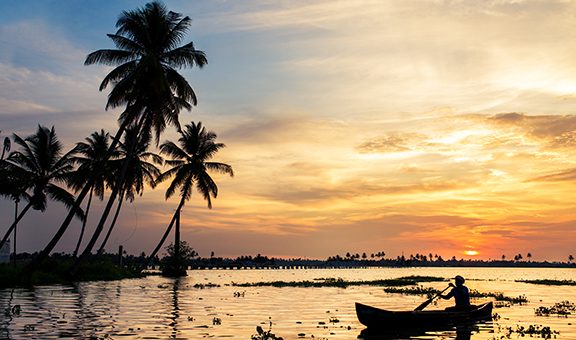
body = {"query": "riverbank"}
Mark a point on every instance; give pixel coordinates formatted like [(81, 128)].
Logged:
[(55, 271)]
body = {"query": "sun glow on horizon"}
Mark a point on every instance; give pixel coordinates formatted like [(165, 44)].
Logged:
[(471, 252)]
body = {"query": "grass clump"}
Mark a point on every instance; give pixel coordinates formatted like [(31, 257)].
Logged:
[(550, 282)]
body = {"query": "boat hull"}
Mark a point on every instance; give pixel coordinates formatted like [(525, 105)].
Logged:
[(377, 318)]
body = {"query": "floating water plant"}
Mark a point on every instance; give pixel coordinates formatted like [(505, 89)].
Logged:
[(550, 282), (429, 291), (205, 285), (419, 290), (563, 308), (261, 334), (341, 283), (499, 297), (532, 330)]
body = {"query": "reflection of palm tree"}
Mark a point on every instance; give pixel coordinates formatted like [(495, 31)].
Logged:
[(175, 308), (42, 164), (145, 80), (190, 166), (134, 153), (92, 163)]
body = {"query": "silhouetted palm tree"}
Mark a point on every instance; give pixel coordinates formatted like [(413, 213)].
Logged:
[(140, 171), (43, 165), (145, 80), (190, 167), (91, 158)]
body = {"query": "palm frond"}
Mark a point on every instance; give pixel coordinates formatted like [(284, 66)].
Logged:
[(59, 194), (220, 168), (185, 56), (110, 57)]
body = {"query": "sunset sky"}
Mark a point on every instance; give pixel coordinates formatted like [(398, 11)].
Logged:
[(407, 126)]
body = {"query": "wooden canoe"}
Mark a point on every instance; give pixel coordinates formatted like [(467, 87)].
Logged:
[(377, 318)]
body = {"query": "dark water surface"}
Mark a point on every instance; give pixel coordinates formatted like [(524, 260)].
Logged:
[(161, 308)]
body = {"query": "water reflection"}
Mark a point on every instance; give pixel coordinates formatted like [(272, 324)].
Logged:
[(161, 308), (175, 313), (460, 332)]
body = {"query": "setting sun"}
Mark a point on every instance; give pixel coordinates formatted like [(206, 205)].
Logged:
[(471, 252)]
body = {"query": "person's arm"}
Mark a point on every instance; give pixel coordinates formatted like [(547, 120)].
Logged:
[(450, 294)]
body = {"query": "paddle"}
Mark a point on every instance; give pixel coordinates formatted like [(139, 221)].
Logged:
[(427, 302)]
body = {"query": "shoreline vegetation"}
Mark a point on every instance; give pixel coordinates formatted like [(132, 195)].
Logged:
[(115, 267)]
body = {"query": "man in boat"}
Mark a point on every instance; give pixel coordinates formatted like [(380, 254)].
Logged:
[(460, 294)]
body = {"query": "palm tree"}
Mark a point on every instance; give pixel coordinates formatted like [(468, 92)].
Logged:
[(91, 158), (140, 171), (43, 165), (145, 80), (190, 165)]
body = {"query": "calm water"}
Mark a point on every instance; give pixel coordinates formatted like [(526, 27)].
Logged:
[(161, 308)]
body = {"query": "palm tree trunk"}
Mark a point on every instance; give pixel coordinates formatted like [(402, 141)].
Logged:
[(33, 265), (13, 226), (100, 225), (117, 187), (84, 223), (177, 237), (166, 233), (120, 200)]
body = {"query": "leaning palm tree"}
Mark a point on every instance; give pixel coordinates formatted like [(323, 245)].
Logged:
[(145, 81), (134, 152), (13, 185), (93, 165), (43, 165), (190, 165)]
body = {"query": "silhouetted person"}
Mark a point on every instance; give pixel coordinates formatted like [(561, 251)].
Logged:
[(460, 294)]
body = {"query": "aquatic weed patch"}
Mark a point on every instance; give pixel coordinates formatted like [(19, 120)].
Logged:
[(419, 290), (563, 308), (498, 296), (429, 291), (538, 331), (550, 282), (341, 283), (205, 285)]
